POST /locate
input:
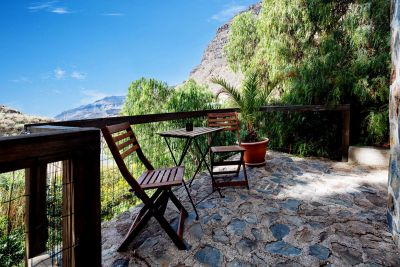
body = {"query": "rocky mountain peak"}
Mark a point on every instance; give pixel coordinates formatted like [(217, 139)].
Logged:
[(214, 62)]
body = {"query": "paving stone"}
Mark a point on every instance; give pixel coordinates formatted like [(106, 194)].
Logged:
[(304, 235), (206, 205), (291, 204), (120, 263), (216, 217), (209, 256), (196, 231), (250, 218), (219, 235), (279, 231), (257, 234), (236, 227), (348, 255), (304, 216), (319, 251), (282, 248), (239, 263)]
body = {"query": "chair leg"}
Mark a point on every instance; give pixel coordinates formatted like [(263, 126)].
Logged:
[(135, 228), (245, 173), (213, 183), (141, 219), (170, 232), (190, 198), (177, 203)]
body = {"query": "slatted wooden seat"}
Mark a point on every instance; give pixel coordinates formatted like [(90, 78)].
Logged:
[(229, 121), (123, 143)]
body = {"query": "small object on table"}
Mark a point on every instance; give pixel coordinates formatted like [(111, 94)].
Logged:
[(189, 126)]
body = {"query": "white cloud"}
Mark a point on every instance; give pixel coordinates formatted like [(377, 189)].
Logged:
[(91, 96), (60, 10), (59, 73), (41, 6), (78, 75), (21, 79), (112, 14), (49, 6), (228, 13)]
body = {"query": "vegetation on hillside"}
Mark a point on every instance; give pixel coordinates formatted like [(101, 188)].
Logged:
[(318, 52), (12, 121)]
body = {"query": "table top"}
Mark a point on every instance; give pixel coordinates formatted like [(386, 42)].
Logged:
[(197, 131)]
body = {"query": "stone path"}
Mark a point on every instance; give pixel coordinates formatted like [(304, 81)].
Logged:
[(298, 212)]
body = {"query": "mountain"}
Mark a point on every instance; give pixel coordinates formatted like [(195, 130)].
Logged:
[(214, 62), (12, 121), (107, 107)]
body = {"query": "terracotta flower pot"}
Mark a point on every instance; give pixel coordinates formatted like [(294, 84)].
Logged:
[(255, 152)]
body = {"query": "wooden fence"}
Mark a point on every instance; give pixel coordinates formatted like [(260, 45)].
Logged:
[(79, 152), (342, 110)]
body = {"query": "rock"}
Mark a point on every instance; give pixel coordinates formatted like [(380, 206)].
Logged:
[(246, 206), (216, 217), (304, 235), (376, 200), (257, 234), (219, 235), (291, 204), (348, 255), (316, 212), (236, 227), (245, 246), (239, 263), (319, 251), (120, 263), (282, 248), (196, 231), (250, 218), (279, 231), (209, 256), (206, 205)]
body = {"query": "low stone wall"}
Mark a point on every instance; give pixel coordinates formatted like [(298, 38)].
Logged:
[(370, 156)]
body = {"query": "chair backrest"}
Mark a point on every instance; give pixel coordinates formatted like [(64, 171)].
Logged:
[(229, 121), (122, 142)]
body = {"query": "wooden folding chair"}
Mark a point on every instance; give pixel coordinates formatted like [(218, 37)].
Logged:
[(122, 143), (229, 121)]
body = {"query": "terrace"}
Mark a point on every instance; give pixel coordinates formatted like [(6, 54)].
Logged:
[(300, 211)]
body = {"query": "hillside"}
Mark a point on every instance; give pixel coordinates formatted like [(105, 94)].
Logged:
[(214, 62), (12, 121), (107, 107)]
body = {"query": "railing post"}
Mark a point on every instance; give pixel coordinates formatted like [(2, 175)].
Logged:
[(35, 210), (86, 203), (68, 237), (345, 134)]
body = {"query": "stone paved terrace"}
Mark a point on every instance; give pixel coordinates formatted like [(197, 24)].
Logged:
[(298, 212)]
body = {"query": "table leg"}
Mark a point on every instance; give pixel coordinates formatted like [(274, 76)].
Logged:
[(185, 150)]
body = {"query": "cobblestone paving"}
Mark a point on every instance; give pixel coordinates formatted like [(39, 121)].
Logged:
[(298, 212)]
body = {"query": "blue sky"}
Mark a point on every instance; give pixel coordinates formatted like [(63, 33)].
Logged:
[(57, 55)]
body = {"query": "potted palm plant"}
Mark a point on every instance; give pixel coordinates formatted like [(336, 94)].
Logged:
[(249, 98)]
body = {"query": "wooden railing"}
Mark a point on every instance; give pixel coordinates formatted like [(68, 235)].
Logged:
[(344, 110), (78, 151)]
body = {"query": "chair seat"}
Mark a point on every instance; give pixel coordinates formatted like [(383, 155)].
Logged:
[(222, 149), (161, 177)]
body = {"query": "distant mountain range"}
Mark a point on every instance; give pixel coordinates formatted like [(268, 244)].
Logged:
[(107, 107)]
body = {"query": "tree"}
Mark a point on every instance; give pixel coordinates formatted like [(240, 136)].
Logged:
[(322, 52)]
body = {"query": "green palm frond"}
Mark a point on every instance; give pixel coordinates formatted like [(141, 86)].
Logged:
[(228, 89), (249, 98)]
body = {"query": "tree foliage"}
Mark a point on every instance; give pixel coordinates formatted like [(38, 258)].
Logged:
[(321, 52)]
